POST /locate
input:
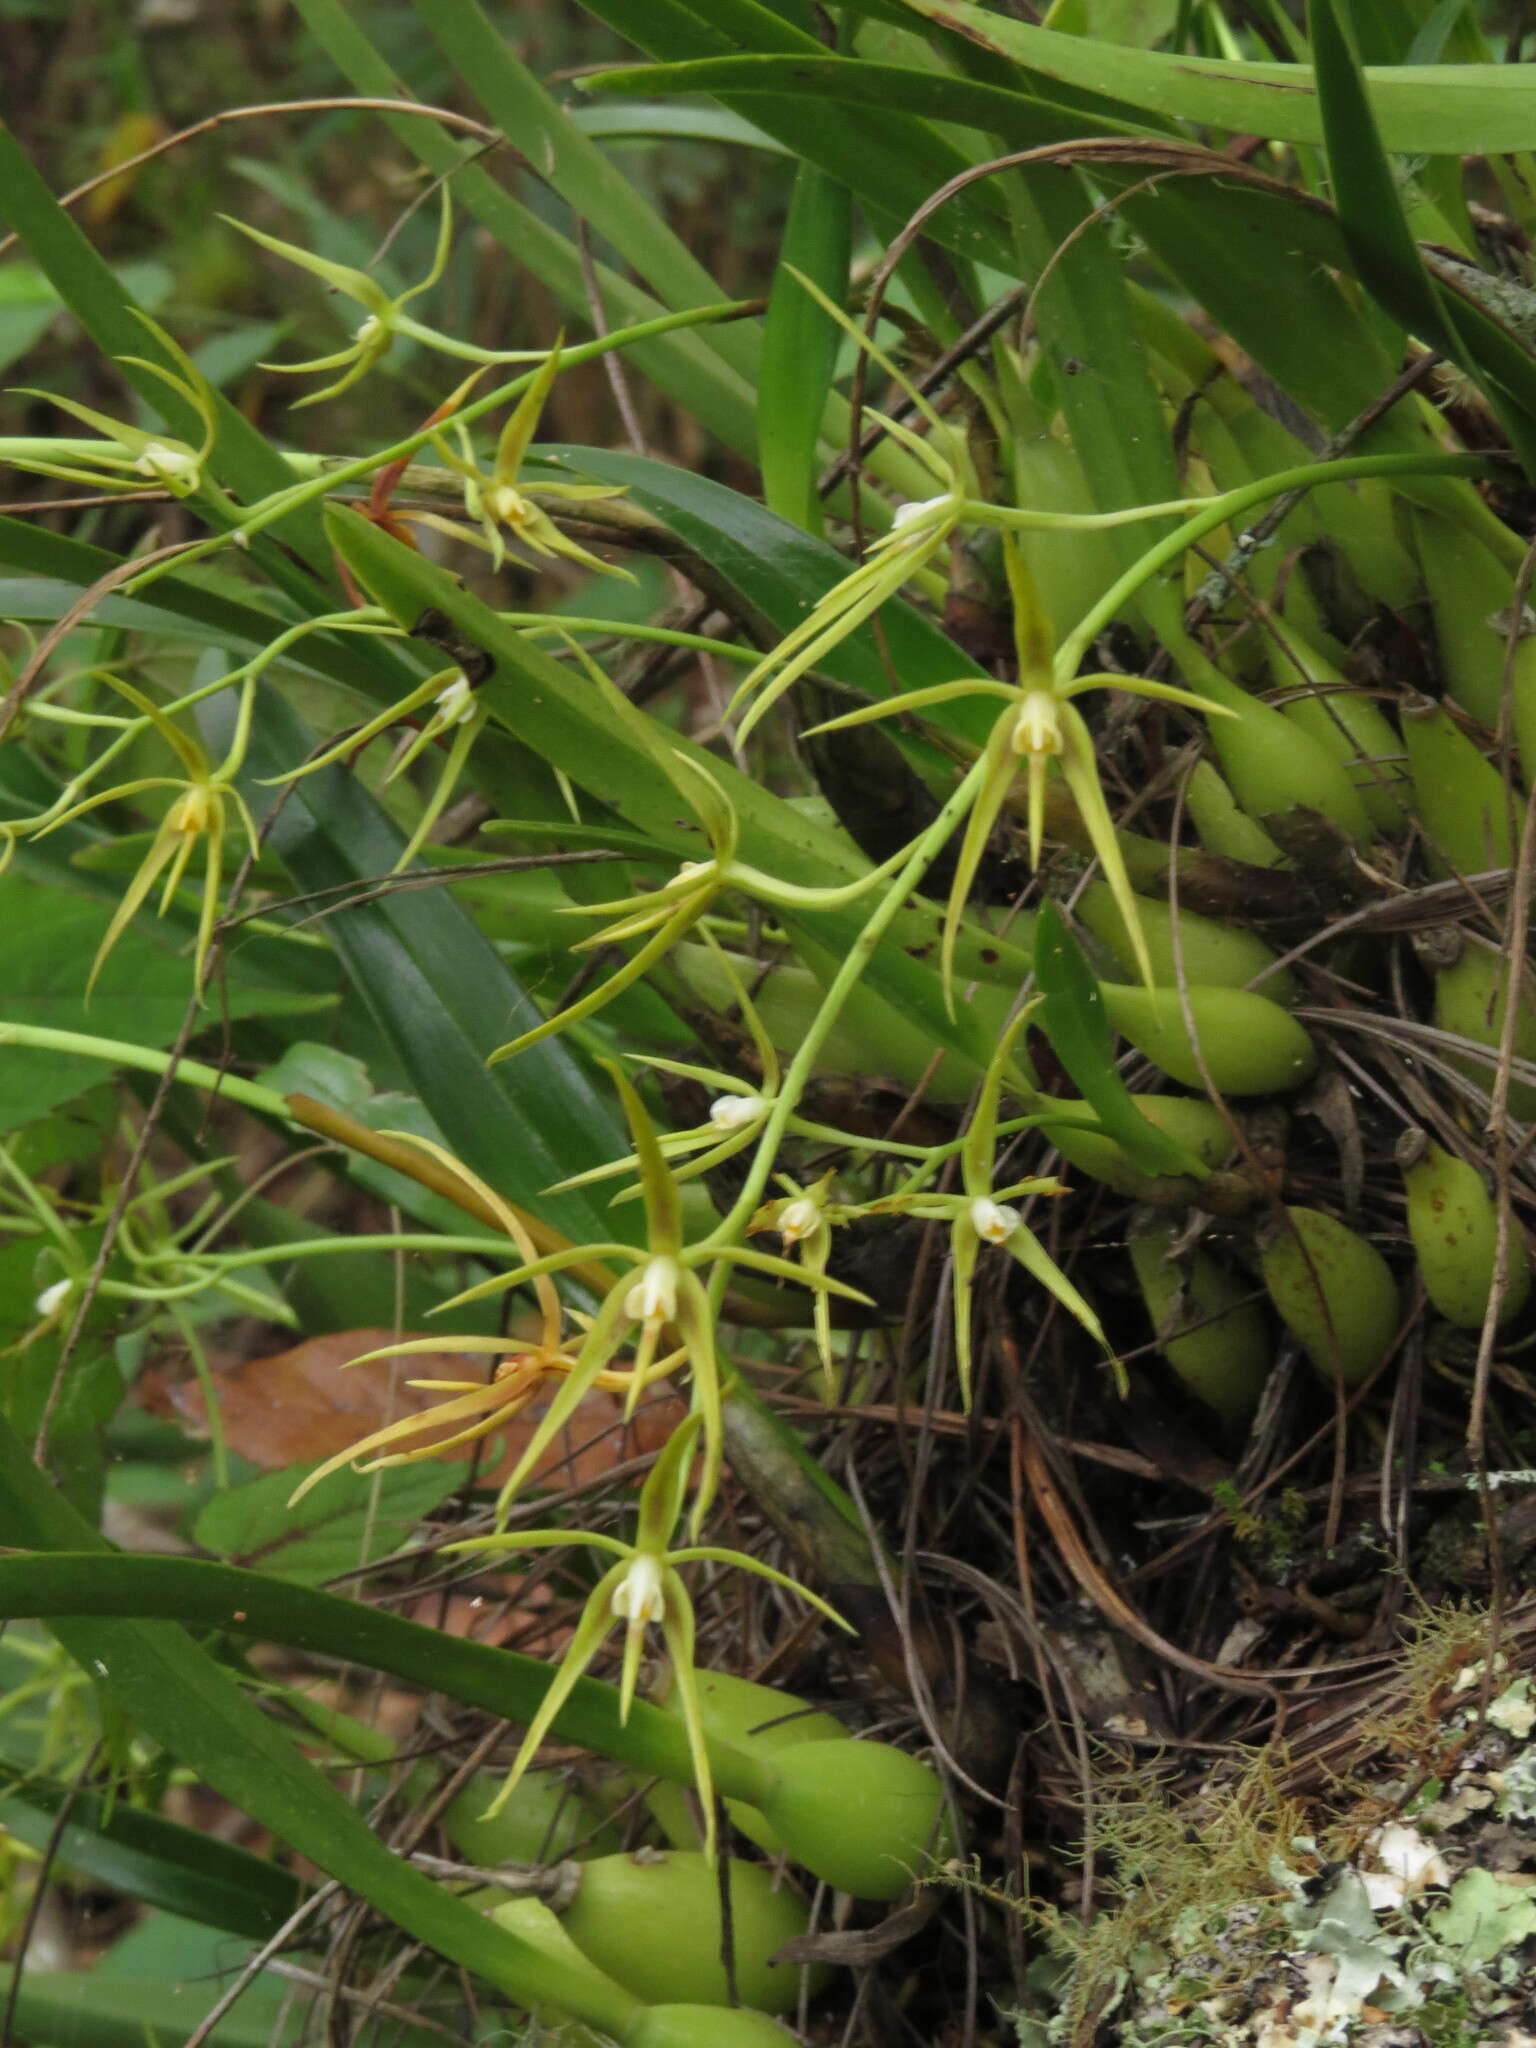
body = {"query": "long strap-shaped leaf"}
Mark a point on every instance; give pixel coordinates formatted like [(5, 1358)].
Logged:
[(246, 1603), (1288, 312), (1439, 109), (1385, 252), (179, 1869), (90, 2009), (179, 1697)]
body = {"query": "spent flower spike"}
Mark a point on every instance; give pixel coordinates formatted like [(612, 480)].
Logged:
[(478, 1408), (129, 457), (384, 317), (659, 1295), (643, 1586), (1038, 725)]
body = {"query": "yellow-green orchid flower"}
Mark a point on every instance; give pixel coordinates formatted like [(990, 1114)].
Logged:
[(804, 1219), (919, 531), (667, 913), (130, 457), (198, 815), (659, 1294), (384, 317), (736, 1116), (1038, 725), (497, 502), (454, 711), (642, 1586), (984, 1214)]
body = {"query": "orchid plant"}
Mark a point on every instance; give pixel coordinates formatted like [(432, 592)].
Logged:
[(651, 1304)]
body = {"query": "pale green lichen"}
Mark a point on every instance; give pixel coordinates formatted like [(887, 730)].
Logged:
[(1409, 1917)]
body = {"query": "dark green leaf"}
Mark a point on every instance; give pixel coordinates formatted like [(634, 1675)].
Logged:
[(76, 2009), (800, 344), (141, 993), (183, 1870), (1454, 110), (354, 1519), (217, 1596), (1387, 256)]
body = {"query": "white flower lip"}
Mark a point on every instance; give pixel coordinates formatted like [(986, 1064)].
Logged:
[(168, 465), (653, 1298), (735, 1112), (455, 701), (993, 1222), (1037, 727), (639, 1596), (798, 1219), (53, 1297), (915, 508)]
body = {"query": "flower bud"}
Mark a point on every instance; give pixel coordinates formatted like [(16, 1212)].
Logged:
[(736, 1112), (993, 1222)]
